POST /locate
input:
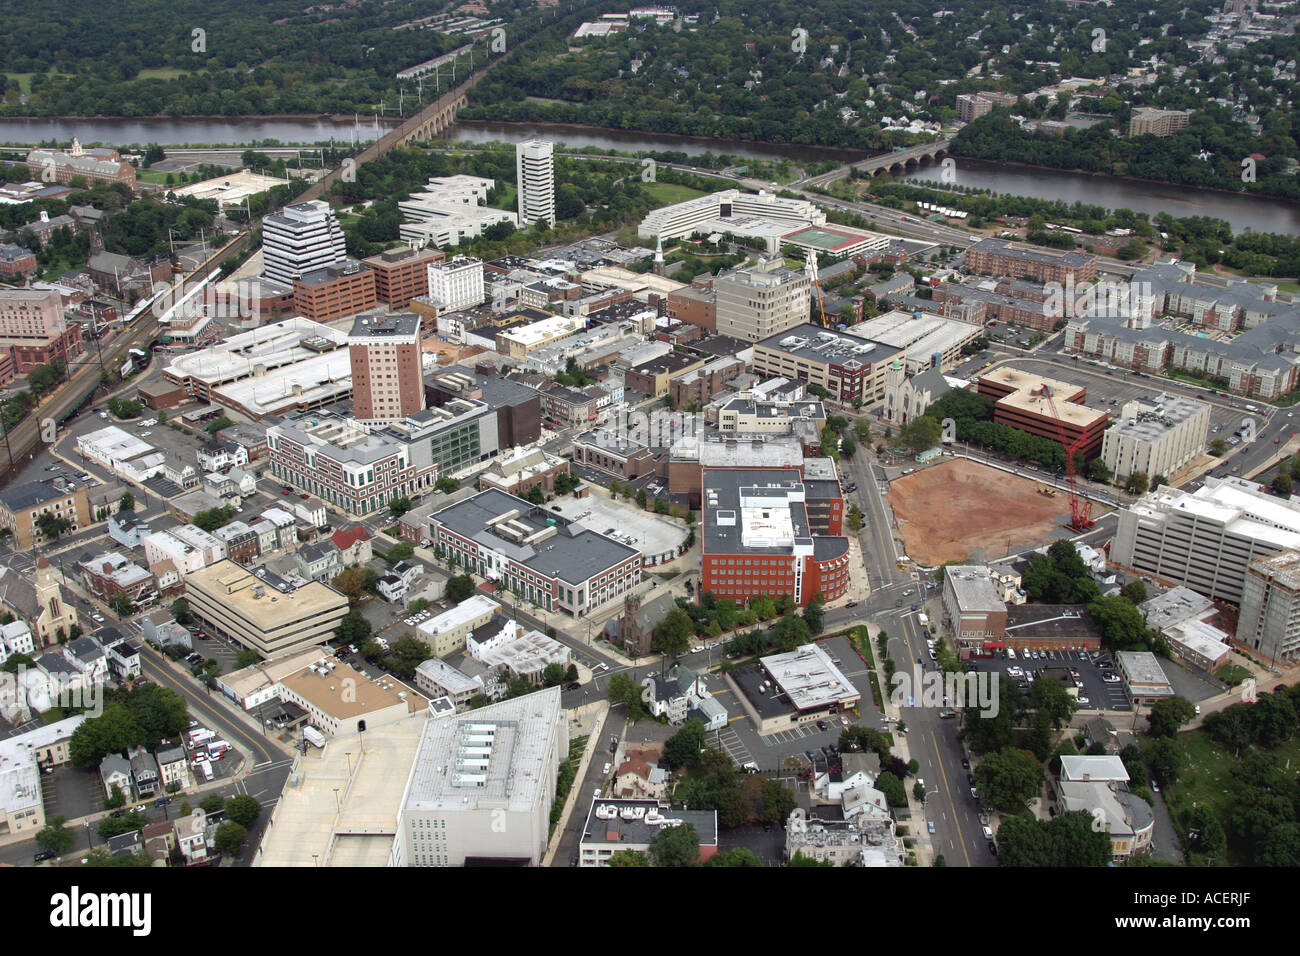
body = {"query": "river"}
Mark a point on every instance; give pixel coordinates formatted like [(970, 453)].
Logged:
[(1254, 212), (1242, 212)]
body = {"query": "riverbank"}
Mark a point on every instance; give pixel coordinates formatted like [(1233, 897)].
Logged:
[(1096, 174)]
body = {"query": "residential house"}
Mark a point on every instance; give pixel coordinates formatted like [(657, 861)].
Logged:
[(173, 768), (319, 561), (393, 588), (241, 542), (115, 771), (88, 657), (639, 776), (144, 772), (354, 546), (219, 455), (127, 529), (124, 660), (683, 696), (191, 838)]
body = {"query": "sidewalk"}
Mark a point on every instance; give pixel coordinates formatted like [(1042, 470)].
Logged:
[(598, 711)]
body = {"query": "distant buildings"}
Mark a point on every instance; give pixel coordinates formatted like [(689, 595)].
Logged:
[(1146, 121), (541, 555), (971, 106), (1021, 401), (731, 210), (95, 165), (535, 179), (999, 257), (402, 274), (756, 303), (784, 691), (631, 825), (457, 284), (22, 505), (450, 210), (33, 330), (352, 467), (848, 367), (757, 538), (1269, 619)]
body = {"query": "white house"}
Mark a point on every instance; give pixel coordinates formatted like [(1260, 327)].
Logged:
[(683, 696), (115, 771), (87, 656), (16, 638), (124, 660), (393, 588), (220, 455)]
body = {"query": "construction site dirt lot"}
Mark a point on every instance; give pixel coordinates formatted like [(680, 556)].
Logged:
[(965, 511)]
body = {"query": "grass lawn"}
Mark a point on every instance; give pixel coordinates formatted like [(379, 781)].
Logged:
[(25, 79), (669, 193), (508, 200), (161, 73), (153, 176), (1208, 778)]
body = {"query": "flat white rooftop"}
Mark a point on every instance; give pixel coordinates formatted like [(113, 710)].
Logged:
[(807, 676)]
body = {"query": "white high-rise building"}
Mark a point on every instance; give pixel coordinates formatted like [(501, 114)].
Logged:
[(1205, 539), (457, 284), (535, 175), (300, 238)]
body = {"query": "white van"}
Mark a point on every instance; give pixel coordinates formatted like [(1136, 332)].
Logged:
[(206, 767), (1011, 653)]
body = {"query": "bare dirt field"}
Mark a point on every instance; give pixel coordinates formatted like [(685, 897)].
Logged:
[(964, 511)]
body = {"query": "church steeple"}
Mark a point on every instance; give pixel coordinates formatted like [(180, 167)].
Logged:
[(659, 256)]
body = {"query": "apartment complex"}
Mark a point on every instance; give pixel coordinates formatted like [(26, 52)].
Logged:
[(761, 301), (1156, 436), (1205, 539), (348, 465), (299, 239), (21, 507), (971, 106), (999, 257), (847, 366), (457, 284), (402, 274), (1269, 619), (1021, 401), (262, 612), (535, 179), (757, 538), (1146, 121), (386, 368), (543, 556), (33, 330), (482, 784), (445, 633)]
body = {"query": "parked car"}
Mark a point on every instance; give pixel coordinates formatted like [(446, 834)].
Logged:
[(930, 826), (44, 855)]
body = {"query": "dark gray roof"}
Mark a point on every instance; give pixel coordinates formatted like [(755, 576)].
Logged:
[(812, 342), (29, 495), (85, 649), (931, 380), (53, 663), (403, 323), (1049, 620), (574, 554), (726, 484)]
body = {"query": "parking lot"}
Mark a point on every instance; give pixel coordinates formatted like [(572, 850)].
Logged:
[(788, 749), (1099, 694)]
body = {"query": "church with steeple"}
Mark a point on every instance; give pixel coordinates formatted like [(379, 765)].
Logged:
[(907, 397), (44, 604)]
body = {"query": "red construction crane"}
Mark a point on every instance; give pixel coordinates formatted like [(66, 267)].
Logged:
[(1080, 506)]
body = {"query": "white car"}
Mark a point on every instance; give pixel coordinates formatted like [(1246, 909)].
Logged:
[(1084, 702), (1110, 678)]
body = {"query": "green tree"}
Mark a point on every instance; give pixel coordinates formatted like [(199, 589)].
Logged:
[(243, 809), (622, 689), (790, 632), (1098, 471), (180, 609), (1049, 697), (400, 506), (51, 526), (675, 846), (1009, 779), (683, 748), (892, 787), (919, 434), (1137, 483), (740, 856), (54, 837), (399, 552), (229, 838), (459, 588), (552, 675), (1218, 447), (1121, 625), (627, 858), (1282, 483), (855, 519), (1135, 592), (800, 860), (1168, 715), (777, 802), (673, 634), (214, 518), (247, 658)]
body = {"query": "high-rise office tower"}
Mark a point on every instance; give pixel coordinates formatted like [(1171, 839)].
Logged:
[(387, 375), (299, 239), (535, 175)]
